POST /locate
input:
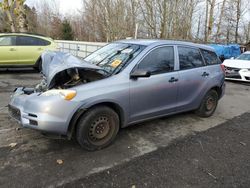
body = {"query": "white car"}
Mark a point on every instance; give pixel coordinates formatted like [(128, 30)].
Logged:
[(239, 68)]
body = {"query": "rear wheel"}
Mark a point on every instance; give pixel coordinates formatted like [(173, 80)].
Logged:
[(97, 128), (208, 104)]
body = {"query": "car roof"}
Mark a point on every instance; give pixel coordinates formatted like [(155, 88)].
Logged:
[(27, 34), (149, 42)]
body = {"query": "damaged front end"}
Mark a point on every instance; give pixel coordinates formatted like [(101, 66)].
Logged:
[(62, 71), (49, 106)]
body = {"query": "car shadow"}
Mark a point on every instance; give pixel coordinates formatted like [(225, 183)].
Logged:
[(17, 70), (143, 128)]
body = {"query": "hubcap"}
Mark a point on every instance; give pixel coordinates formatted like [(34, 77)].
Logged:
[(99, 129), (210, 103)]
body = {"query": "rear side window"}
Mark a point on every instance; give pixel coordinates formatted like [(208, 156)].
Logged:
[(7, 41), (189, 58), (210, 57), (31, 41), (158, 61)]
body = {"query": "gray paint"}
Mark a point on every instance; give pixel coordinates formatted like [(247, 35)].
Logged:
[(55, 62), (139, 100)]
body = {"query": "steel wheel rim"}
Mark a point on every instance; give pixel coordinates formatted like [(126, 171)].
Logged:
[(100, 130), (210, 103)]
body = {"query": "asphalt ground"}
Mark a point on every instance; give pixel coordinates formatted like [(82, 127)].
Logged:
[(28, 159), (218, 157)]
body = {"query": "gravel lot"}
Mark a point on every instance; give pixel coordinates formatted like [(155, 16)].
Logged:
[(32, 161)]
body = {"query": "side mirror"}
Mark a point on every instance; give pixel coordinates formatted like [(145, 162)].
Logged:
[(140, 74)]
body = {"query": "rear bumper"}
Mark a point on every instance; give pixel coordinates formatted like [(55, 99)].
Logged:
[(223, 88), (50, 115)]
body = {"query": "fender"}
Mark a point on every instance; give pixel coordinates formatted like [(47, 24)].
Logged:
[(85, 107)]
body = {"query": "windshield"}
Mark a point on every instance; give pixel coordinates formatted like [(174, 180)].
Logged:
[(244, 57), (113, 57)]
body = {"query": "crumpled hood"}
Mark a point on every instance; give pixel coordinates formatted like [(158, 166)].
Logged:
[(55, 62), (236, 63)]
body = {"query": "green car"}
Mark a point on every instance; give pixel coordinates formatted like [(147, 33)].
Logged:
[(23, 50)]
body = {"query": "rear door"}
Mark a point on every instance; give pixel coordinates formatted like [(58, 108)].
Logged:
[(213, 65), (30, 49), (157, 94), (193, 77), (8, 50)]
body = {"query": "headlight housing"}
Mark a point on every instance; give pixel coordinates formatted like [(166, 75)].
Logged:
[(64, 93)]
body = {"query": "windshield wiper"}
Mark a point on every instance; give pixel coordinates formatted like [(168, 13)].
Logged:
[(117, 53)]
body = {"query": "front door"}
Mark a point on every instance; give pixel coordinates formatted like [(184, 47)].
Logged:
[(157, 94), (29, 49), (8, 50)]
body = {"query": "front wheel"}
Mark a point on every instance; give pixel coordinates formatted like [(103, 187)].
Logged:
[(97, 128), (208, 104)]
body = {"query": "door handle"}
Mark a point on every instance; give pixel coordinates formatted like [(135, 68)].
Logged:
[(39, 49), (205, 74), (173, 79), (12, 49)]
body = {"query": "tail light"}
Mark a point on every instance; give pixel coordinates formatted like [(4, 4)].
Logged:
[(223, 68)]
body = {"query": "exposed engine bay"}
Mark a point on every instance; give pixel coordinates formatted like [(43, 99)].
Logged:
[(69, 78), (62, 71)]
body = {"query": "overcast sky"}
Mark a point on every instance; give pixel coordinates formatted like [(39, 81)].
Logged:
[(66, 6)]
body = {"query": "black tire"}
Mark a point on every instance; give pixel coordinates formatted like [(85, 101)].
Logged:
[(97, 128), (38, 65), (208, 104)]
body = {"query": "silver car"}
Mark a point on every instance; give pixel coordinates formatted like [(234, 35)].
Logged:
[(121, 84)]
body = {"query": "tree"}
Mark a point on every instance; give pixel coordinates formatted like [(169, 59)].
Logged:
[(220, 20), (247, 32), (238, 16), (206, 21), (7, 7), (168, 19), (31, 18), (1, 21), (67, 33), (211, 17), (232, 24), (20, 14), (56, 25), (108, 20), (15, 12)]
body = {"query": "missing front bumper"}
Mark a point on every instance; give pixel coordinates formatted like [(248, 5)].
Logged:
[(15, 113)]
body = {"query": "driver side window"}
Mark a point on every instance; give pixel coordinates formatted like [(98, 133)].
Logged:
[(7, 40), (160, 60)]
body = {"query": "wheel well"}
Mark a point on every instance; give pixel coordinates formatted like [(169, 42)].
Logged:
[(82, 111), (218, 90), (114, 107)]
